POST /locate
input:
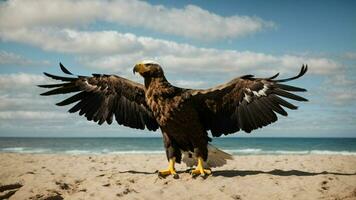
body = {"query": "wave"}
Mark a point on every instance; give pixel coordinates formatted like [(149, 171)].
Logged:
[(13, 149), (25, 150), (106, 151), (265, 152), (137, 152), (79, 152), (346, 153), (244, 151), (290, 152), (287, 152)]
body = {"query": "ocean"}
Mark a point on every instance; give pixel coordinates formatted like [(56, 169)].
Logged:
[(236, 146)]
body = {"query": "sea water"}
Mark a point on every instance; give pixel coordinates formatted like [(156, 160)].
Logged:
[(129, 145)]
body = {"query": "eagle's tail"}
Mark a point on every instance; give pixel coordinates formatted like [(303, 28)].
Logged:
[(216, 158)]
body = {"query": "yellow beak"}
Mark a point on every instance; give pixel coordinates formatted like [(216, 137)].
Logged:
[(140, 68)]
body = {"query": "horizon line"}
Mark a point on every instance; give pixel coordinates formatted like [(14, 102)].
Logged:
[(329, 137)]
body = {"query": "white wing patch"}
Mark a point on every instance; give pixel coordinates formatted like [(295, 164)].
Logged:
[(247, 98), (262, 92), (249, 93)]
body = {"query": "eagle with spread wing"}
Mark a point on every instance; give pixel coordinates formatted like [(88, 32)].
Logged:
[(184, 115)]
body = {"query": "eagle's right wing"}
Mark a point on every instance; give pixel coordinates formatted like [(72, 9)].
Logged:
[(100, 97), (245, 103)]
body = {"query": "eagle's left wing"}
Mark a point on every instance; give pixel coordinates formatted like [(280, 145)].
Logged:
[(101, 97), (245, 103)]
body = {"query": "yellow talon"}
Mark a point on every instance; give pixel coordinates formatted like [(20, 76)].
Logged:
[(200, 169), (170, 170)]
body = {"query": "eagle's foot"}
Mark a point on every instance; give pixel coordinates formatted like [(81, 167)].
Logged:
[(201, 172), (167, 172), (170, 171), (200, 169)]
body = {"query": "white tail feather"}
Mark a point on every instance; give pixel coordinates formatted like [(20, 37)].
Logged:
[(216, 158)]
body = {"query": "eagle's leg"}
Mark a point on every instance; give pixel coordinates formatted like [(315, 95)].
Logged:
[(199, 170), (171, 170), (202, 154), (173, 154)]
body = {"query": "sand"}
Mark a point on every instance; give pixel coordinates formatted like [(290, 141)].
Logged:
[(36, 176)]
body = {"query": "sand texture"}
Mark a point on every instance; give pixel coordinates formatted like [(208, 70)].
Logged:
[(35, 176)]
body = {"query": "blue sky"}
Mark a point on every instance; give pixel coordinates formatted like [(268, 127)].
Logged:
[(199, 43)]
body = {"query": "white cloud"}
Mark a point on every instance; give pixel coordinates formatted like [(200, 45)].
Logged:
[(187, 58), (342, 97), (22, 106), (45, 24), (20, 81), (31, 115), (15, 59), (339, 89), (340, 80), (71, 41), (115, 50), (190, 21), (350, 55), (190, 84), (15, 14), (19, 91), (22, 101)]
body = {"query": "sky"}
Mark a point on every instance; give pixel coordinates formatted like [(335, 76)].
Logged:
[(199, 44)]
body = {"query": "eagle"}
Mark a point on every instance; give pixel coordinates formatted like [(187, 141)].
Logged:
[(184, 116)]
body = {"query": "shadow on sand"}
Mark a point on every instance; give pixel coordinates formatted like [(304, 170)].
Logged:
[(233, 173), (276, 172), (136, 172)]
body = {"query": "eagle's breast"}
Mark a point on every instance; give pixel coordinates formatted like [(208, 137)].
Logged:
[(164, 101)]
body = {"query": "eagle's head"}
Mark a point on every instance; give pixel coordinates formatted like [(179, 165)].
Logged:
[(148, 68)]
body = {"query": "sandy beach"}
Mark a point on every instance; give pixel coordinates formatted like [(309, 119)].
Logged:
[(53, 176)]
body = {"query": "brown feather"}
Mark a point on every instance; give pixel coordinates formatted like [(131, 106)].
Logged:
[(72, 99), (288, 95), (61, 78), (283, 102), (276, 107), (62, 90)]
